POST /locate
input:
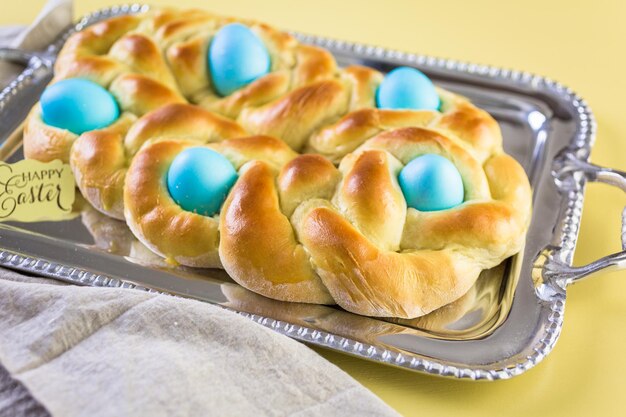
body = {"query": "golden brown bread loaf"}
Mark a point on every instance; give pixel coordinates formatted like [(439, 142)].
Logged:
[(100, 158), (294, 227), (297, 228), (159, 57)]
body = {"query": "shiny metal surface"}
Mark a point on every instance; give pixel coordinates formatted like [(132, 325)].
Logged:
[(567, 170), (503, 326)]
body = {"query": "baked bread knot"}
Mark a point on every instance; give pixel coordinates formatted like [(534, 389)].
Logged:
[(297, 228), (157, 220), (125, 62), (163, 56), (159, 57), (301, 179), (303, 92), (100, 158), (373, 254), (186, 37), (458, 118)]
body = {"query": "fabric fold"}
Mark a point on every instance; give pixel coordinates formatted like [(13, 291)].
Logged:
[(111, 352)]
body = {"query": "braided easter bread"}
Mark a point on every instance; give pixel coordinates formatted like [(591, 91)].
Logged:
[(100, 158), (159, 57), (164, 226), (129, 65), (473, 128), (169, 149), (373, 255), (297, 228)]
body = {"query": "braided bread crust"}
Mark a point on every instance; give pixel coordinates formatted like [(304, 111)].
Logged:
[(100, 158), (374, 263), (153, 64), (471, 127), (130, 66), (297, 228), (160, 223), (293, 227), (157, 58), (375, 256)]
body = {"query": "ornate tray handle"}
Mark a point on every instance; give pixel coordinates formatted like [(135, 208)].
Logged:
[(571, 173)]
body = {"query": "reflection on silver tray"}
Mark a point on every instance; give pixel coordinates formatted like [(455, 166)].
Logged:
[(508, 321)]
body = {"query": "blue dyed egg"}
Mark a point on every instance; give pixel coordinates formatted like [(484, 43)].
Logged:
[(407, 88), (78, 105), (236, 58), (430, 183), (199, 180)]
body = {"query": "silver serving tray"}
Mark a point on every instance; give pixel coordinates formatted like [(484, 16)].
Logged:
[(508, 322)]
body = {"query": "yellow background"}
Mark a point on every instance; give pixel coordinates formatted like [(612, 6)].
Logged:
[(579, 43)]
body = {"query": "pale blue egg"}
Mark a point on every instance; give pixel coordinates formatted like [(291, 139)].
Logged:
[(78, 105), (430, 183), (407, 88), (199, 180), (236, 58)]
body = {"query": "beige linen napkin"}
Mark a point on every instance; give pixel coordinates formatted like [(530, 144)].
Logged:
[(82, 351), (85, 351)]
